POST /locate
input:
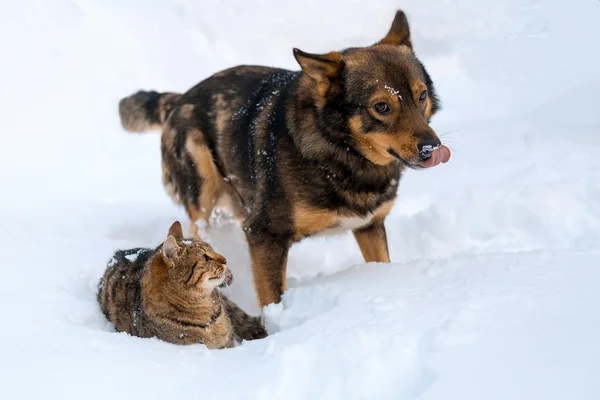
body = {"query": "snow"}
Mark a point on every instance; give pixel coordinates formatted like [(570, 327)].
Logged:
[(493, 291), (130, 257), (393, 91)]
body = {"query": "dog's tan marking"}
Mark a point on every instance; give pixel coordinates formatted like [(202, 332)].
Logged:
[(428, 108), (417, 88), (196, 136), (375, 146), (383, 211), (223, 112), (367, 146), (186, 111), (309, 220)]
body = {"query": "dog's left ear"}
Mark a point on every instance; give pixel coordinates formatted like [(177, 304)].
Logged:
[(399, 33), (322, 68)]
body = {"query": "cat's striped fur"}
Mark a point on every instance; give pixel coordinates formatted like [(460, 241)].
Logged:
[(171, 293)]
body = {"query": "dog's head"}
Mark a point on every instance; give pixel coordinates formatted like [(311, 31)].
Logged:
[(381, 96)]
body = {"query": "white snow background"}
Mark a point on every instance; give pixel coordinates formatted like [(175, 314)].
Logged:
[(495, 287)]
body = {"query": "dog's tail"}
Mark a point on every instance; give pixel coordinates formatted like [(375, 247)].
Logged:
[(146, 111)]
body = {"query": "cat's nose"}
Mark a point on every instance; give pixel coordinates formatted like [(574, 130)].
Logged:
[(219, 258)]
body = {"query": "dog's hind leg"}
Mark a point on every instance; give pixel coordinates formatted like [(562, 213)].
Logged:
[(210, 182), (189, 173), (169, 184)]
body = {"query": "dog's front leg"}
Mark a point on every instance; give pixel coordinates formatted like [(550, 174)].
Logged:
[(269, 254), (372, 241)]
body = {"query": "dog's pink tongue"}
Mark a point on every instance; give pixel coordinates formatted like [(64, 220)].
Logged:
[(439, 155)]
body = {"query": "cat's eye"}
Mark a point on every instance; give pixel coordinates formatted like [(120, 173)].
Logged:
[(423, 95), (382, 108)]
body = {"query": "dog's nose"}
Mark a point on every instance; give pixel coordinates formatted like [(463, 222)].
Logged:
[(427, 146)]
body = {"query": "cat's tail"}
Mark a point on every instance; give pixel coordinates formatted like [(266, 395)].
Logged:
[(245, 327), (145, 111)]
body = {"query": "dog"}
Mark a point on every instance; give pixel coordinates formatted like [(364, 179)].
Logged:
[(294, 154)]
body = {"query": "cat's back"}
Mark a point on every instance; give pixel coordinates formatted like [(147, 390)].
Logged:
[(119, 290)]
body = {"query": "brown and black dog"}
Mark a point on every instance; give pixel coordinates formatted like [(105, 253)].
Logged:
[(298, 153)]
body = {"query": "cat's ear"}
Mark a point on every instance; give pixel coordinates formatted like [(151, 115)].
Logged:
[(176, 231), (170, 248)]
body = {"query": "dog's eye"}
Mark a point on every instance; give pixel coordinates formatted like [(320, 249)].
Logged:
[(423, 95), (382, 108)]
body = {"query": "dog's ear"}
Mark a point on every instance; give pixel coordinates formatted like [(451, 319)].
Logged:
[(322, 68), (399, 33), (175, 230)]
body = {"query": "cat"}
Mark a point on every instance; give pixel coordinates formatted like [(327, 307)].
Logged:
[(171, 293)]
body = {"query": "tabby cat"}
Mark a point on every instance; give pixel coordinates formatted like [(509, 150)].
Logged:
[(170, 293)]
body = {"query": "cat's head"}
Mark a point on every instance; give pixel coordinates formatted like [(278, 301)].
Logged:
[(193, 264)]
